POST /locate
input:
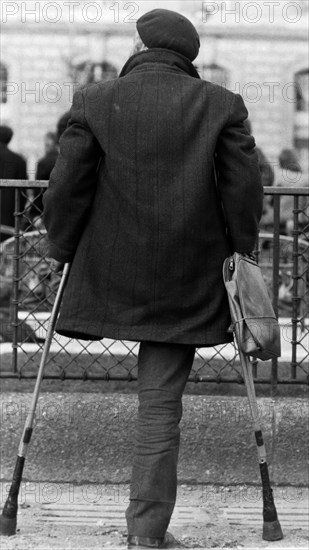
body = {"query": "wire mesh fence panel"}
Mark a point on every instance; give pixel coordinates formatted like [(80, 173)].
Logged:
[(300, 297), (28, 289)]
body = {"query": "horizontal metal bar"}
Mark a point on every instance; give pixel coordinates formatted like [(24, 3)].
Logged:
[(7, 229), (267, 190), (23, 183), (196, 380), (286, 238), (286, 191)]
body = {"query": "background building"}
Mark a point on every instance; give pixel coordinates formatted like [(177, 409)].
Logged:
[(258, 49)]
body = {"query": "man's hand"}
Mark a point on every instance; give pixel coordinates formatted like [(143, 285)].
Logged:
[(56, 266)]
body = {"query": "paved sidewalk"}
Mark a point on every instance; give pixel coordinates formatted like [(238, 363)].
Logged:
[(68, 516)]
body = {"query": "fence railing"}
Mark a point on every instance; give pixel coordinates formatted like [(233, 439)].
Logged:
[(28, 287)]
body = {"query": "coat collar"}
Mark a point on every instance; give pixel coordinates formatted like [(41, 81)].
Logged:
[(160, 56)]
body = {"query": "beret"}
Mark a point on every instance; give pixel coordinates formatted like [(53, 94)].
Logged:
[(171, 30)]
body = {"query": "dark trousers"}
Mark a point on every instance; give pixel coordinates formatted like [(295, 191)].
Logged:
[(163, 370)]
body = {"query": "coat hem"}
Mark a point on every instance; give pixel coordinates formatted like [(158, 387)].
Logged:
[(207, 339)]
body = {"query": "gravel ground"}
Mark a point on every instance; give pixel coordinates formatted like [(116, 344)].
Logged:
[(213, 532)]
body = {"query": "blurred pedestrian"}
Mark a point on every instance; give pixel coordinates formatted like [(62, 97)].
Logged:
[(267, 178), (134, 205), (43, 171), (266, 168), (12, 167), (44, 168), (47, 163), (289, 174)]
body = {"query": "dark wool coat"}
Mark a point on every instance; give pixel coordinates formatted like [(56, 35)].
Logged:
[(133, 204)]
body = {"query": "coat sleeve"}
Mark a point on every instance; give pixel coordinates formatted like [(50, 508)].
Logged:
[(239, 179), (70, 193)]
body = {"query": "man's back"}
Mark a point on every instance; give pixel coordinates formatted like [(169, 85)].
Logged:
[(150, 221)]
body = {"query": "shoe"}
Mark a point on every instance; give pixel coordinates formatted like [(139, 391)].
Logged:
[(148, 542)]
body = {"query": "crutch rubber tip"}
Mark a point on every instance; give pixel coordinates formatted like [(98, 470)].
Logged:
[(7, 526), (272, 530)]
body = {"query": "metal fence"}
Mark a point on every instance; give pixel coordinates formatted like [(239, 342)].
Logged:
[(27, 291)]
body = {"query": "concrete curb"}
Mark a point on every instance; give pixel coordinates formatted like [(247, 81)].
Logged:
[(89, 438)]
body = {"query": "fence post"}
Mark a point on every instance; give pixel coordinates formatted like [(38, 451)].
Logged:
[(275, 282), (254, 361), (295, 297), (15, 280)]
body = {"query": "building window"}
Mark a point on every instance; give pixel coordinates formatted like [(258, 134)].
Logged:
[(87, 72), (3, 83), (102, 72), (215, 74)]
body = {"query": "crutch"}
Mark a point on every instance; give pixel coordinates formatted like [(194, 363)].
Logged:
[(271, 526), (8, 518)]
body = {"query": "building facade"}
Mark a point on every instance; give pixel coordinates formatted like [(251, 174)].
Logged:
[(258, 49)]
